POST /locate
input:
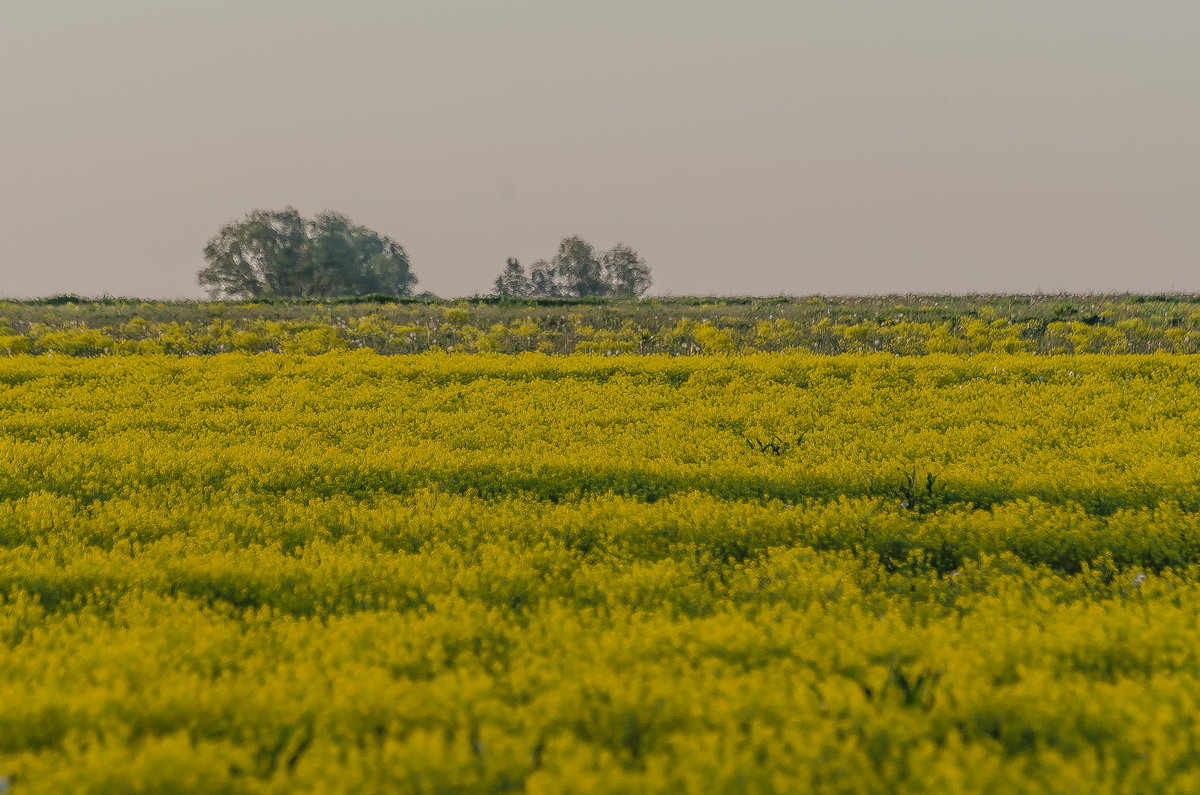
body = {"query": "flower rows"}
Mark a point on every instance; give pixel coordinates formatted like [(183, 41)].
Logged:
[(783, 572)]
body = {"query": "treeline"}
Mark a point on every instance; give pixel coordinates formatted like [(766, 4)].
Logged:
[(282, 254), (678, 327), (577, 270)]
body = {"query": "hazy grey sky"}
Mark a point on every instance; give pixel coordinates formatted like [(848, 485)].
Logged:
[(763, 146)]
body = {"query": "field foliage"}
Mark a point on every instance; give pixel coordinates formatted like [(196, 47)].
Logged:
[(752, 573), (903, 325)]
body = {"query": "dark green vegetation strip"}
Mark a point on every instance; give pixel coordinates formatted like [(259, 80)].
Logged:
[(908, 325)]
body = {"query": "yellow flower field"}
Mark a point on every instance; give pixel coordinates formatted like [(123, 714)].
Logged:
[(448, 573)]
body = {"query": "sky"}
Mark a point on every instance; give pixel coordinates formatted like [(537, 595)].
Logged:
[(757, 147)]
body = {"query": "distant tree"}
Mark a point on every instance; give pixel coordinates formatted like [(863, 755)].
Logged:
[(282, 254), (261, 255), (543, 280), (626, 275), (578, 271), (513, 283)]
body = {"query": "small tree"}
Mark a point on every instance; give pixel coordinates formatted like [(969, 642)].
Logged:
[(577, 269), (625, 273), (544, 281), (513, 283), (282, 254)]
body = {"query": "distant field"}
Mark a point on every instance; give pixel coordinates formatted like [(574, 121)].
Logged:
[(905, 325), (713, 573)]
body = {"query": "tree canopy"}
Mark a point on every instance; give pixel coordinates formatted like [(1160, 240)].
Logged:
[(282, 254), (577, 270)]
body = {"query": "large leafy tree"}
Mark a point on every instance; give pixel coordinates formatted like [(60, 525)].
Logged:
[(282, 254), (577, 270)]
